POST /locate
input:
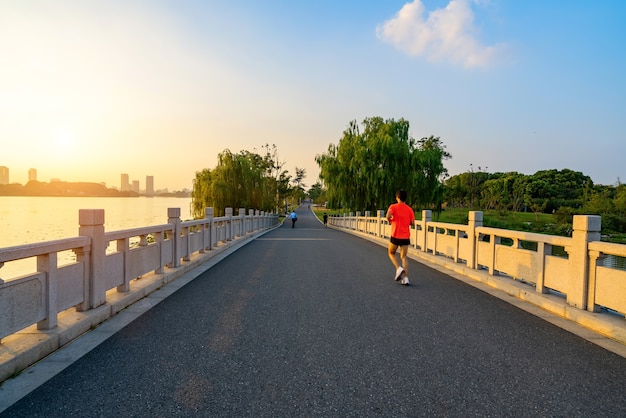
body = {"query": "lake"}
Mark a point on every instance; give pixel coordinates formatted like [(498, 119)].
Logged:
[(27, 219)]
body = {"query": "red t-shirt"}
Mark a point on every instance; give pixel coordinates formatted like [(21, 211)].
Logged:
[(402, 217)]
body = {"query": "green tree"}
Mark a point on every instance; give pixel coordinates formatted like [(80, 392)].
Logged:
[(515, 185), (599, 201), (620, 199), (238, 181), (280, 178), (494, 194), (366, 168), (316, 193)]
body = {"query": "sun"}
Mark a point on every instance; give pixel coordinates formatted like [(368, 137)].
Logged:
[(64, 141), (62, 146)]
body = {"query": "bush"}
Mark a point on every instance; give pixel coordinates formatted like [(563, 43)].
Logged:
[(564, 215)]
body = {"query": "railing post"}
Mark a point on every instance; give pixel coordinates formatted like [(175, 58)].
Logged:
[(229, 226), (173, 218), (159, 240), (250, 220), (48, 264), (475, 220), (92, 225), (208, 241), (242, 216), (123, 246), (586, 228), (186, 236), (595, 257), (427, 217), (379, 223)]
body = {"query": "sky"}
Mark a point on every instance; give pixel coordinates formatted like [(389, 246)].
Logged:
[(93, 89)]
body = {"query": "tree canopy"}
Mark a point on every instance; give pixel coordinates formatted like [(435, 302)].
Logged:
[(544, 191), (243, 180), (368, 165)]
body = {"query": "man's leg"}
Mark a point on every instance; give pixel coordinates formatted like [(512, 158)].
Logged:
[(391, 252), (405, 264), (404, 249)]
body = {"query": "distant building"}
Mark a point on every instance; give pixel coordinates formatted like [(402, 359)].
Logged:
[(4, 175), (136, 186), (125, 185), (149, 185), (32, 174)]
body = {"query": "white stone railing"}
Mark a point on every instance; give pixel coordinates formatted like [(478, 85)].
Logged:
[(107, 261), (571, 267)]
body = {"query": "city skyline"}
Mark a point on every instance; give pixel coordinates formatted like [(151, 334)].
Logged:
[(133, 185), (165, 87)]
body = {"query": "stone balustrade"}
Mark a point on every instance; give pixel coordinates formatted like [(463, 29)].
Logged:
[(579, 269), (109, 272)]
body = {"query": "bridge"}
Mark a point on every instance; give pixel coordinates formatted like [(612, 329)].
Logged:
[(309, 322)]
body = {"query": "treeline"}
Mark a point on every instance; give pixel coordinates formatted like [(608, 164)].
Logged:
[(371, 161), (563, 193), (247, 180), (62, 188)]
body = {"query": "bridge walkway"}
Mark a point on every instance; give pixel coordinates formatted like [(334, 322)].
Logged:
[(308, 321)]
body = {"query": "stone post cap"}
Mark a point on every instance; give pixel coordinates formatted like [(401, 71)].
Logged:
[(228, 211), (591, 223), (89, 217), (208, 212), (173, 212), (475, 215)]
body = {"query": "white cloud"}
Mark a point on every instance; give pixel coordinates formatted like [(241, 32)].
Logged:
[(446, 34)]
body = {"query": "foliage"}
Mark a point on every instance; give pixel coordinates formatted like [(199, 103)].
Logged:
[(366, 168), (316, 193), (543, 192), (243, 180), (564, 193)]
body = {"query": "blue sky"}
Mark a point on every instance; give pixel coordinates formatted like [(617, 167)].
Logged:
[(89, 90)]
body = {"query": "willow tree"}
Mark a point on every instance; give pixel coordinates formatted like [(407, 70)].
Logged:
[(428, 172), (238, 181), (366, 168)]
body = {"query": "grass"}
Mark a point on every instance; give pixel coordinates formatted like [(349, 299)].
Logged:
[(518, 221)]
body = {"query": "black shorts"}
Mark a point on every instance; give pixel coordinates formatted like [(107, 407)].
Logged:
[(400, 241)]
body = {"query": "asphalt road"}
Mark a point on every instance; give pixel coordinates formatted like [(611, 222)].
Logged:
[(309, 322)]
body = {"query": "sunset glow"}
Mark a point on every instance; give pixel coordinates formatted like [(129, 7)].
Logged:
[(90, 90)]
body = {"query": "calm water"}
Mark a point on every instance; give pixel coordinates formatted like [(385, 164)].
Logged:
[(26, 220)]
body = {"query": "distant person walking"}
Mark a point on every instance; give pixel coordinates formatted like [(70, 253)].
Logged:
[(325, 218), (293, 218), (401, 217)]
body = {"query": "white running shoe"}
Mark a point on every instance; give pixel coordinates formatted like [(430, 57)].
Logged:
[(405, 281), (398, 273)]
